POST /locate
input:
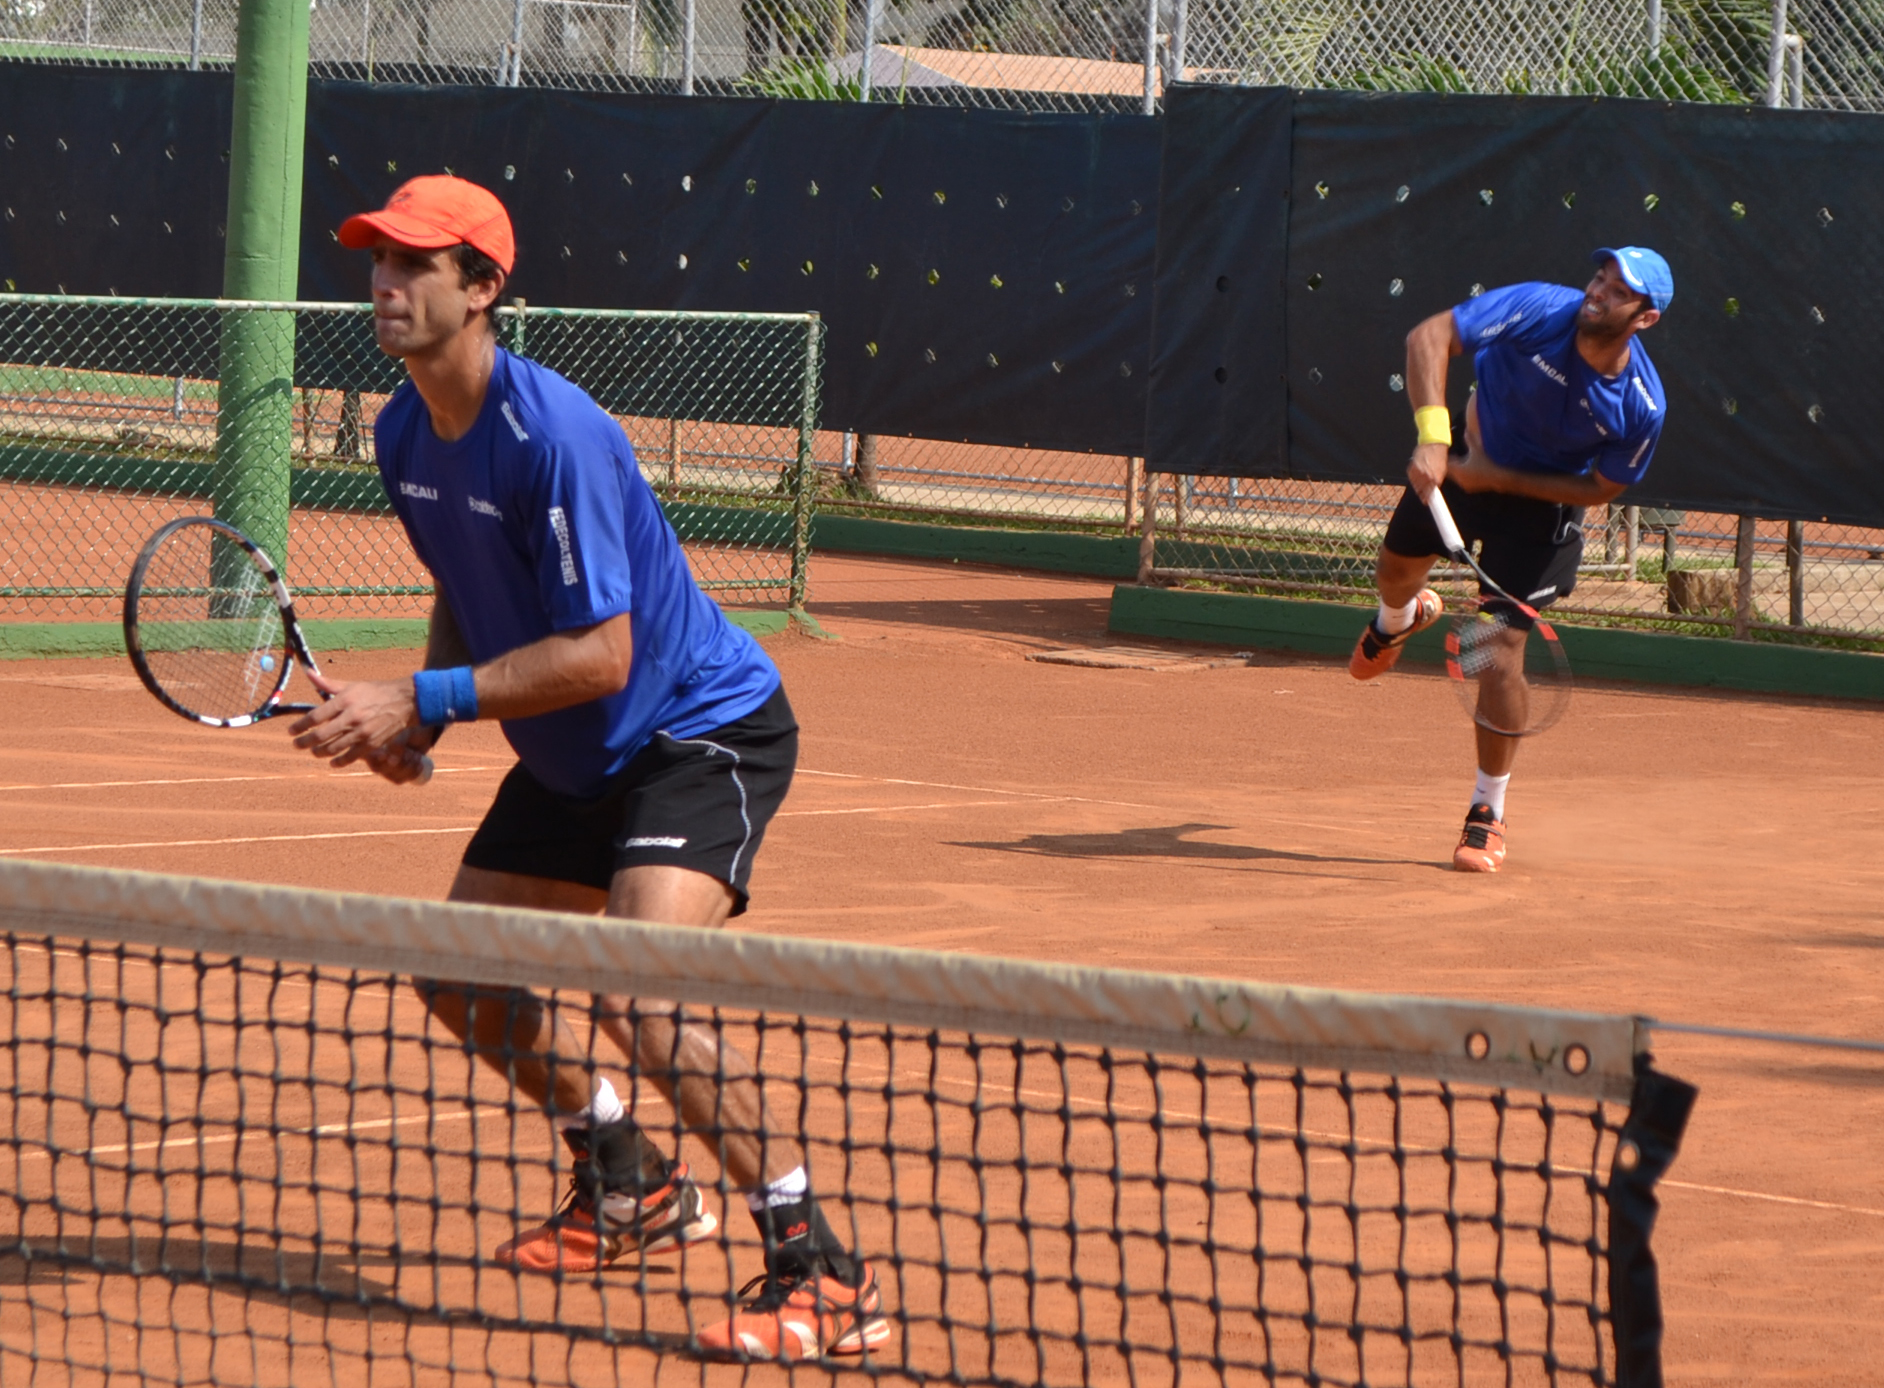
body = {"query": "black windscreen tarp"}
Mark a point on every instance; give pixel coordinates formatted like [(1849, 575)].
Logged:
[(1218, 337), (1402, 204), (982, 274), (989, 275), (113, 181)]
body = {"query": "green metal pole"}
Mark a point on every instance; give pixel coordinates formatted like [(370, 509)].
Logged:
[(255, 404)]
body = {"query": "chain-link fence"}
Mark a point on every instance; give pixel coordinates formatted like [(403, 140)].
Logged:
[(1696, 572), (1072, 54), (117, 415)]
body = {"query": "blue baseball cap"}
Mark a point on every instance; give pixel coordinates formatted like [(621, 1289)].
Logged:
[(1643, 271)]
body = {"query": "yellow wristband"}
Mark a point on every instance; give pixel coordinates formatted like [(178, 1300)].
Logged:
[(1434, 423)]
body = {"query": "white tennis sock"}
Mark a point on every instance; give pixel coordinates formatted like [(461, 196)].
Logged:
[(1490, 790), (604, 1107), (1392, 619), (788, 1189)]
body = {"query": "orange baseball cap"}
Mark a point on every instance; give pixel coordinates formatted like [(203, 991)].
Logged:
[(437, 210)]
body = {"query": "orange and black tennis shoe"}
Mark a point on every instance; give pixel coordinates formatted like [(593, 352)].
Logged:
[(803, 1311), (1376, 652), (1481, 844)]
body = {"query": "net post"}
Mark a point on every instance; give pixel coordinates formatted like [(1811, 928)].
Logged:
[(255, 400), (803, 478), (1743, 578), (1645, 1148), (1795, 573)]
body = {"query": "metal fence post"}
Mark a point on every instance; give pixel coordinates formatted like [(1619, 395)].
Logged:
[(1776, 55), (512, 70), (804, 485), (1147, 522), (1151, 56), (687, 17), (1180, 26), (1631, 535), (1795, 68), (1795, 573), (196, 36), (1743, 584), (866, 68), (1132, 466), (1654, 30)]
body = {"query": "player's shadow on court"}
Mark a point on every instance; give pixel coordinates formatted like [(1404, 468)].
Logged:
[(1173, 841)]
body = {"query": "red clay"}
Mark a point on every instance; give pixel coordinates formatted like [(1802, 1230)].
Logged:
[(1700, 857)]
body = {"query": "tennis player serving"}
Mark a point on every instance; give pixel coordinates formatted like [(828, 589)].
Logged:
[(1565, 415), (654, 744)]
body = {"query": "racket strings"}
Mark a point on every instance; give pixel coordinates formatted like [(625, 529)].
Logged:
[(210, 626), (1509, 670)]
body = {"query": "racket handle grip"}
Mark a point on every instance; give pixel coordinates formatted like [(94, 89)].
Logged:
[(1448, 529)]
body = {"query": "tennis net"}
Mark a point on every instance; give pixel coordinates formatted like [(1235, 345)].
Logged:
[(235, 1149)]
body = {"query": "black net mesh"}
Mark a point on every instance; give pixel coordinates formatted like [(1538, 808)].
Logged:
[(244, 1169)]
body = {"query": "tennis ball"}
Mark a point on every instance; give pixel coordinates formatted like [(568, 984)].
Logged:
[(268, 662)]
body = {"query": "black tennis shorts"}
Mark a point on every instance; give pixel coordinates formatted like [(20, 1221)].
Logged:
[(694, 802), (1530, 548)]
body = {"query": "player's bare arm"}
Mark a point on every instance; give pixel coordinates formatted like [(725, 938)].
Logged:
[(1430, 348), (1477, 473), (560, 671)]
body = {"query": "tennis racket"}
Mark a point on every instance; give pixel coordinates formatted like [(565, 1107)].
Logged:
[(1504, 659), (211, 630)]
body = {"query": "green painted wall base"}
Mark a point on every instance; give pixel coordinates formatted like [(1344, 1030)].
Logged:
[(1327, 628), (1102, 556)]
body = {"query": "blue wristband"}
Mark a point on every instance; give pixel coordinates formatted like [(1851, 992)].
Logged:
[(446, 696)]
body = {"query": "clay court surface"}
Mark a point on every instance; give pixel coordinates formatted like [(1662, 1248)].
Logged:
[(1703, 857)]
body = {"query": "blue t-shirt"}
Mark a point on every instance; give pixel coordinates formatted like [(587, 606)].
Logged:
[(1541, 407), (538, 521)]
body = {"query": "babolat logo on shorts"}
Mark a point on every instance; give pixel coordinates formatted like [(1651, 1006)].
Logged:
[(654, 841)]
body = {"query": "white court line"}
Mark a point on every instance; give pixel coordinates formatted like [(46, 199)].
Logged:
[(220, 780), (459, 770), (979, 790), (453, 829), (887, 809), (253, 838), (1775, 1199), (325, 1130)]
